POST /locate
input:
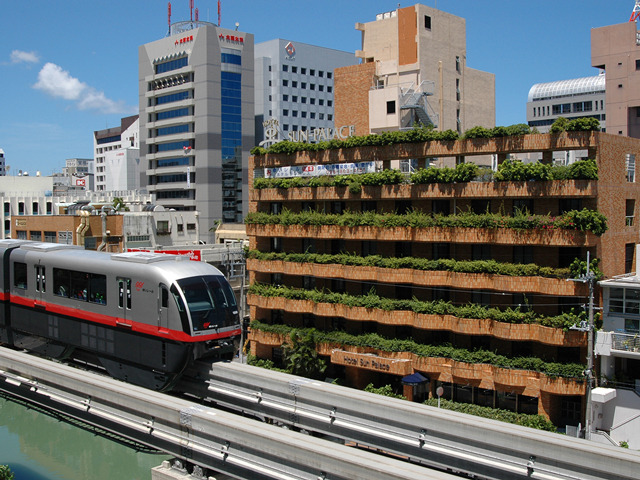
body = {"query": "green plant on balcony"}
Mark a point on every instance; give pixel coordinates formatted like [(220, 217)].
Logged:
[(386, 391), (437, 307), (301, 357), (491, 267), (379, 343), (584, 220)]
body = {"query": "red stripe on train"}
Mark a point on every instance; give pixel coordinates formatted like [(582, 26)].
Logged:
[(112, 321)]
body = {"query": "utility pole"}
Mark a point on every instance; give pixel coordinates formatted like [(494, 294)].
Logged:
[(588, 278)]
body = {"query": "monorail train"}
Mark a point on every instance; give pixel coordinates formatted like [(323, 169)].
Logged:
[(143, 317)]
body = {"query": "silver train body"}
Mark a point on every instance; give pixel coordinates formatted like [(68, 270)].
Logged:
[(143, 317)]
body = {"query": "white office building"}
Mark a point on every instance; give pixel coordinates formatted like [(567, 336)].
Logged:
[(294, 86), (197, 120), (117, 157)]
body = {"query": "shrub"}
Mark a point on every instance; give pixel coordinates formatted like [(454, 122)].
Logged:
[(538, 422), (387, 391)]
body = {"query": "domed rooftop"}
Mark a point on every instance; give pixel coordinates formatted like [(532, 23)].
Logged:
[(561, 88)]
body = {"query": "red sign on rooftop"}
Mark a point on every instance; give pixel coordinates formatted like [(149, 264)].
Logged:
[(231, 38)]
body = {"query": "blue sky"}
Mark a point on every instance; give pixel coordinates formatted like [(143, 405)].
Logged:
[(69, 67)]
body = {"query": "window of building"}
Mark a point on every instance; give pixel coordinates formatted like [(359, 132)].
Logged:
[(629, 249), (481, 252), (458, 64), (294, 84), (321, 116), (321, 88), (303, 85), (303, 114), (285, 112), (568, 204), (285, 68), (329, 75), (162, 227), (35, 235), (458, 89), (191, 226), (285, 98), (629, 212), (312, 101), (303, 71), (427, 22), (303, 99), (50, 237), (329, 117), (441, 207), (631, 167), (312, 72), (285, 83), (312, 86), (440, 250), (320, 102), (523, 205), (294, 98), (624, 300), (294, 69), (391, 107), (523, 254)]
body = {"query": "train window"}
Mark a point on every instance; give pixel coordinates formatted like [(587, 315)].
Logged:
[(98, 289), (165, 296), (83, 286), (20, 275), (181, 309), (210, 301), (79, 285), (61, 282)]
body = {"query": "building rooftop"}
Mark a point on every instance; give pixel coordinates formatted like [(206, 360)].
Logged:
[(565, 88)]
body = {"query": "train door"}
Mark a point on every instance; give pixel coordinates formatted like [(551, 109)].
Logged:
[(124, 301), (41, 285), (163, 308)]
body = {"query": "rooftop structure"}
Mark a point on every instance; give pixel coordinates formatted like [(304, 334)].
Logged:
[(413, 71)]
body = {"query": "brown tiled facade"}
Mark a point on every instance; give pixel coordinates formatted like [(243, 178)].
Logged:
[(613, 194), (47, 227)]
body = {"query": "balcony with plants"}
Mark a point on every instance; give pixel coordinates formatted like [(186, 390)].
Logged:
[(513, 178), (578, 134)]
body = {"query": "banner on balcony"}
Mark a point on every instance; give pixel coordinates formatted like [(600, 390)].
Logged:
[(319, 170)]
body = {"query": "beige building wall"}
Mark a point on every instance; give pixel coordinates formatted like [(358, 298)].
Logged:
[(615, 48), (421, 49)]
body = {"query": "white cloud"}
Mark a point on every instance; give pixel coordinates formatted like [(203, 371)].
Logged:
[(56, 82), (18, 56)]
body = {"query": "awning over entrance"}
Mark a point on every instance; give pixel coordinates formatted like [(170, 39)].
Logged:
[(414, 379)]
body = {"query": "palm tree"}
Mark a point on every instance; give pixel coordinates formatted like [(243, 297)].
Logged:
[(301, 357)]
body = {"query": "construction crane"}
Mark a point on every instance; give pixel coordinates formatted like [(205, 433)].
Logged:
[(636, 12)]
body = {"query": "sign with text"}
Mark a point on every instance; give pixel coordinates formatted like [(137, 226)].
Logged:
[(319, 170), (195, 255), (372, 362)]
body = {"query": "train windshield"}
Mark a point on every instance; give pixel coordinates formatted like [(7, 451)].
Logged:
[(210, 301)]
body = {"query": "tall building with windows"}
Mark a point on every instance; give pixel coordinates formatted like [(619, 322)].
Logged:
[(197, 120), (575, 98), (614, 48), (294, 85), (117, 149), (414, 71)]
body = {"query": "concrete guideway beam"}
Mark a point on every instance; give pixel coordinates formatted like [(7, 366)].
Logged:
[(439, 438), (212, 439)]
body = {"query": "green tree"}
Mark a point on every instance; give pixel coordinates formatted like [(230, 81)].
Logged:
[(6, 473), (301, 357), (118, 204)]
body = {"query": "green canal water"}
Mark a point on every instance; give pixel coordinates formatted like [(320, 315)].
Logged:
[(39, 447)]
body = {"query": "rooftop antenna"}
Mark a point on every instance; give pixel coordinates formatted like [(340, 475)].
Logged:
[(169, 15), (218, 12), (636, 12), (197, 15), (191, 9)]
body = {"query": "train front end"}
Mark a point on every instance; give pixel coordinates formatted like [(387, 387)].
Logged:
[(207, 303)]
